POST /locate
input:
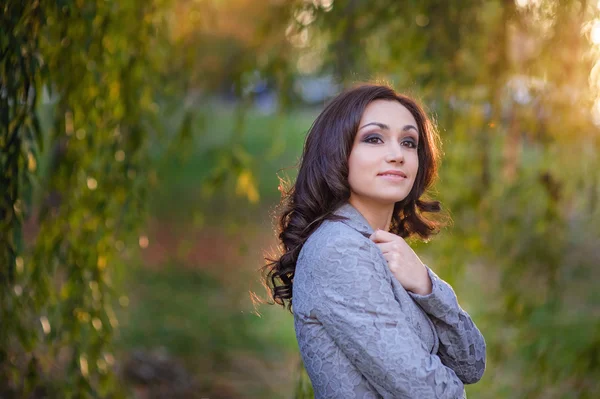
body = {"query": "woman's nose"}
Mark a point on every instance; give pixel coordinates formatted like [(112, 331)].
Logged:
[(395, 153)]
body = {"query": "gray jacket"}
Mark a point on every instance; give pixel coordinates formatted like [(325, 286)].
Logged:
[(362, 335)]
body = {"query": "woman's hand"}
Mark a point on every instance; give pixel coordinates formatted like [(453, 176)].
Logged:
[(404, 264)]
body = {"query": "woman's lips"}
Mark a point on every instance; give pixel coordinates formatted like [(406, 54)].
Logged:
[(392, 177)]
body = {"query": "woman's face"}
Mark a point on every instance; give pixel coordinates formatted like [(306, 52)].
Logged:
[(383, 162)]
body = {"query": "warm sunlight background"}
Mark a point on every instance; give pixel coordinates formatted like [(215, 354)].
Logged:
[(137, 201)]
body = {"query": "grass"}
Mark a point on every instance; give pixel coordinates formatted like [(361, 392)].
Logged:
[(207, 326), (192, 301), (191, 313)]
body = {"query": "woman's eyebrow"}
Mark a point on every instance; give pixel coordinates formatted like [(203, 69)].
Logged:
[(381, 125), (386, 127)]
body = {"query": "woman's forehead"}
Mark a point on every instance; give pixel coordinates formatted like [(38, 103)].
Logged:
[(389, 113)]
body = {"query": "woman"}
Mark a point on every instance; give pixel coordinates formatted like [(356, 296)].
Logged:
[(370, 318)]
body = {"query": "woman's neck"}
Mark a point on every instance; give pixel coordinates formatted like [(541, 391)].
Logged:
[(378, 215)]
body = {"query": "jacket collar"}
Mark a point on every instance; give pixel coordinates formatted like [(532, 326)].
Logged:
[(354, 219)]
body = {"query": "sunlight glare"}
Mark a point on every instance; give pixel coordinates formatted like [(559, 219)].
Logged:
[(526, 3), (92, 183), (144, 242), (97, 323), (305, 17), (45, 325), (83, 363), (596, 112), (20, 264), (595, 33), (326, 5)]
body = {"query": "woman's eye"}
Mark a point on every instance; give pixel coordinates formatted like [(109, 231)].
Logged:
[(373, 140), (409, 143)]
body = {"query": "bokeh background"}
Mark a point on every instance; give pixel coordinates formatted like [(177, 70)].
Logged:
[(142, 145)]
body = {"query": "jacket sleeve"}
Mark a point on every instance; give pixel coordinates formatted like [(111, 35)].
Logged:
[(357, 308), (462, 346)]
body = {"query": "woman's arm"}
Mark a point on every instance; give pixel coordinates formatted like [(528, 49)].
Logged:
[(356, 305), (462, 346)]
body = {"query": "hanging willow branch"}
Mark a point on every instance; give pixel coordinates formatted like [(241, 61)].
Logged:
[(56, 290)]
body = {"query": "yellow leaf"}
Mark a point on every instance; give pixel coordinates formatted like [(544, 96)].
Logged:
[(246, 186), (31, 162), (101, 262)]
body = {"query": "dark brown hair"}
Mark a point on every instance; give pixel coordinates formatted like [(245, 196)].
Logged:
[(322, 182)]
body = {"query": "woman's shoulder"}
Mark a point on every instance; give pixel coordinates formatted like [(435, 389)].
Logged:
[(335, 255), (333, 238), (333, 232)]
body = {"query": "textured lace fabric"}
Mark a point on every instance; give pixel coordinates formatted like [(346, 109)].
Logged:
[(362, 335)]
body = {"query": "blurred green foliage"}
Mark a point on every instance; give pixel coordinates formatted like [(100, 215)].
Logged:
[(77, 83), (103, 101)]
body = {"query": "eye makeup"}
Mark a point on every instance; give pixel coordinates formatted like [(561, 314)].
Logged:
[(375, 138)]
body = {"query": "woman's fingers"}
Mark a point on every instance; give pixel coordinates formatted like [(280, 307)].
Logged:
[(388, 242), (383, 236), (386, 247), (404, 264)]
